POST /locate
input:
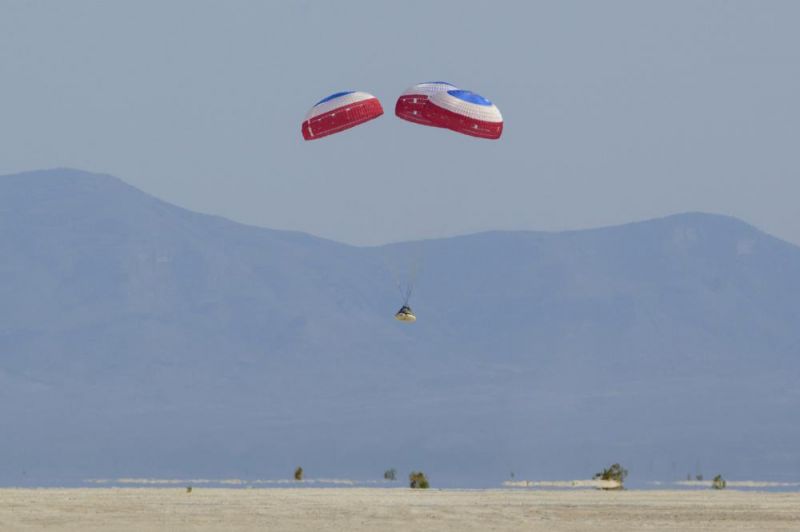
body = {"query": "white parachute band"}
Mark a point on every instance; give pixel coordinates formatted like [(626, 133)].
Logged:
[(336, 103)]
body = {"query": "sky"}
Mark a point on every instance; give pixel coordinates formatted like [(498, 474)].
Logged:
[(614, 111)]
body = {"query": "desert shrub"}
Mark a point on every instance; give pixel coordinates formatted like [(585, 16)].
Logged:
[(418, 480), (616, 472), (390, 474), (718, 483), (298, 473)]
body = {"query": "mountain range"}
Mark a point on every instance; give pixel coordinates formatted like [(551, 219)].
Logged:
[(140, 339)]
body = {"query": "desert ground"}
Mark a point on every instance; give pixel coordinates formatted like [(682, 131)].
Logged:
[(393, 509)]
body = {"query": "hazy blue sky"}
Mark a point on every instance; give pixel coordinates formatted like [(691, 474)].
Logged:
[(615, 111)]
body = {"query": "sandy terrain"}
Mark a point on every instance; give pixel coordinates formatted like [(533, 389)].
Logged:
[(393, 509)]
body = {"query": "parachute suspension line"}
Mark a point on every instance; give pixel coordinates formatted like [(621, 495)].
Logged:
[(407, 281), (401, 289), (405, 291), (409, 291), (404, 266), (415, 267)]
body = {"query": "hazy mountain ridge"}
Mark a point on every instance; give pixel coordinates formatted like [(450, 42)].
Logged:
[(137, 337)]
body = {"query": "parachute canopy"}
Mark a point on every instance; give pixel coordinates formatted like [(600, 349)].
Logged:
[(464, 112), (410, 104), (340, 111)]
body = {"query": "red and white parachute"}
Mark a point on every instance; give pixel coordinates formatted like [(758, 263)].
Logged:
[(441, 104), (338, 112), (410, 104), (464, 112)]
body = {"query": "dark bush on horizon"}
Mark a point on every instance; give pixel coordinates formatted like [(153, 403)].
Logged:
[(616, 473), (418, 480)]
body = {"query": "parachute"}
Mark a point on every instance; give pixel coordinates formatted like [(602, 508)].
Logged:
[(410, 104), (464, 112), (340, 111)]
